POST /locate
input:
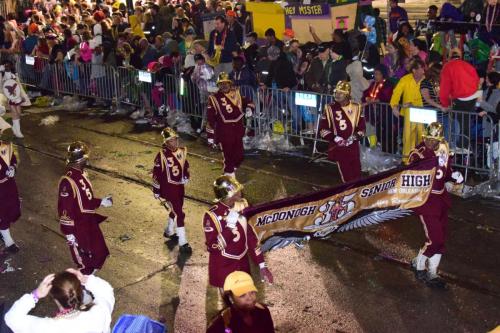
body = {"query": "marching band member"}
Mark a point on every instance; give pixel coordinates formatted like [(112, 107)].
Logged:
[(10, 207), (434, 213), (230, 239), (170, 174), (225, 112), (77, 217), (342, 125)]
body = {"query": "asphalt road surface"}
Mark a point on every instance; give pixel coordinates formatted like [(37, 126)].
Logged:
[(359, 281)]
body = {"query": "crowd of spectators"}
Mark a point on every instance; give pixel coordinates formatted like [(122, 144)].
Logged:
[(168, 38)]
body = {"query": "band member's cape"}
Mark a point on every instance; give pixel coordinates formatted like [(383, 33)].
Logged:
[(372, 200)]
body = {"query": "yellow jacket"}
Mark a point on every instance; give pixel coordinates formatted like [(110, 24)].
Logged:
[(410, 90), (135, 25)]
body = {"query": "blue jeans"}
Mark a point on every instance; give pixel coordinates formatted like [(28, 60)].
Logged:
[(451, 128)]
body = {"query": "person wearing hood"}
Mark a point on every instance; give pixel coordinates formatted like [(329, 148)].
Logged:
[(356, 79)]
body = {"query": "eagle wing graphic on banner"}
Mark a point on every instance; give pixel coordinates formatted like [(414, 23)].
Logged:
[(373, 218)]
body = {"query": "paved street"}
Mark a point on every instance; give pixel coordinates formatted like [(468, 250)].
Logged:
[(359, 281)]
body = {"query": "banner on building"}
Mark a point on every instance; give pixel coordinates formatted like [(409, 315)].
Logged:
[(372, 200)]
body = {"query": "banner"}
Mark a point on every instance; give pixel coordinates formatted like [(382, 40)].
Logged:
[(308, 10), (372, 200)]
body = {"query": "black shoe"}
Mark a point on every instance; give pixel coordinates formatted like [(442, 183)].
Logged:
[(12, 249), (436, 283), (185, 249), (421, 275), (173, 237)]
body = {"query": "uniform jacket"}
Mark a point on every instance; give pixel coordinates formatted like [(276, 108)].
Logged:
[(228, 248), (77, 216), (171, 169), (438, 198), (10, 207), (230, 318), (343, 122), (225, 113)]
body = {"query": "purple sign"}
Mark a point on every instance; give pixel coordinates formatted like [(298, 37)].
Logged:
[(308, 10)]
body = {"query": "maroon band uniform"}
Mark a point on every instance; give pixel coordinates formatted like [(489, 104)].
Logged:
[(228, 249), (77, 217), (434, 213), (170, 172), (10, 205), (225, 115), (343, 122), (232, 319)]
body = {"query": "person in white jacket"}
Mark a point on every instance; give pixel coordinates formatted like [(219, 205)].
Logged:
[(74, 315)]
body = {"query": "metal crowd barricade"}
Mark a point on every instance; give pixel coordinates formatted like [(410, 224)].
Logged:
[(30, 70), (85, 80), (134, 87), (292, 113)]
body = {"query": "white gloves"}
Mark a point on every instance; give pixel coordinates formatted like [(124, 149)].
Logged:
[(442, 161), (248, 112), (457, 176), (185, 181), (339, 141), (11, 171), (71, 240), (210, 141), (107, 201), (232, 219), (157, 196)]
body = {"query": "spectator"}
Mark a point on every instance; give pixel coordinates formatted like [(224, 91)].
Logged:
[(281, 74), (378, 115), (203, 76), (405, 31), (222, 46), (357, 81), (56, 51), (490, 104), (187, 42), (338, 68), (251, 49), (459, 84), (426, 28), (67, 291), (241, 74), (270, 35), (136, 21), (418, 49), (318, 74), (429, 88), (69, 41), (394, 61), (294, 54), (288, 37), (30, 43), (381, 29), (408, 91), (171, 45), (147, 53), (243, 314), (470, 8), (234, 26), (396, 15)]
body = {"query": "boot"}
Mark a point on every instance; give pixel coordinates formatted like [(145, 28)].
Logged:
[(169, 230), (16, 128), (184, 246), (418, 267), (433, 279)]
